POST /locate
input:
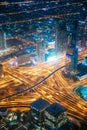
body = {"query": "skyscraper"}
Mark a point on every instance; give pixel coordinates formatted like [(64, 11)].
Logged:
[(2, 40), (1, 71), (72, 50)]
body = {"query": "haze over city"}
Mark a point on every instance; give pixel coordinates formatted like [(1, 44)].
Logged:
[(43, 65)]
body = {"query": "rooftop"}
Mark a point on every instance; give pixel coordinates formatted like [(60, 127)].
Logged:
[(55, 109), (81, 67), (40, 104), (3, 110)]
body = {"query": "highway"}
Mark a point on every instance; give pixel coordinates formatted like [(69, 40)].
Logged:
[(23, 85)]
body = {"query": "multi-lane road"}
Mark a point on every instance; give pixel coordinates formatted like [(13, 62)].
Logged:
[(23, 85)]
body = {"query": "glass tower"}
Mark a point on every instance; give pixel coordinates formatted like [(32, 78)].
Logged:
[(2, 40)]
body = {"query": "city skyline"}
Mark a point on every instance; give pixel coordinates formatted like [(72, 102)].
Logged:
[(43, 58)]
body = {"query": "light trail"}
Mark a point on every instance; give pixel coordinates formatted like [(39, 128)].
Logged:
[(35, 10), (52, 87), (41, 18)]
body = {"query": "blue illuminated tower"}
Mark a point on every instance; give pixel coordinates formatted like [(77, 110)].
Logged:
[(72, 51), (74, 59), (71, 59)]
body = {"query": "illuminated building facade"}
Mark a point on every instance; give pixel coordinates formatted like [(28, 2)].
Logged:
[(55, 116), (41, 51), (72, 50), (85, 61), (37, 112), (48, 116), (71, 59), (34, 20), (61, 37), (2, 40), (82, 69), (1, 71), (84, 33)]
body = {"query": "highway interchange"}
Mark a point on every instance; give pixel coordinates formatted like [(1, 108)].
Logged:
[(23, 85)]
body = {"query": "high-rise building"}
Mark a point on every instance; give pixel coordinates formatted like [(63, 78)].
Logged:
[(1, 71), (72, 50), (71, 59), (2, 40), (41, 51), (37, 112), (55, 116), (85, 61), (84, 34), (48, 116), (61, 37)]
